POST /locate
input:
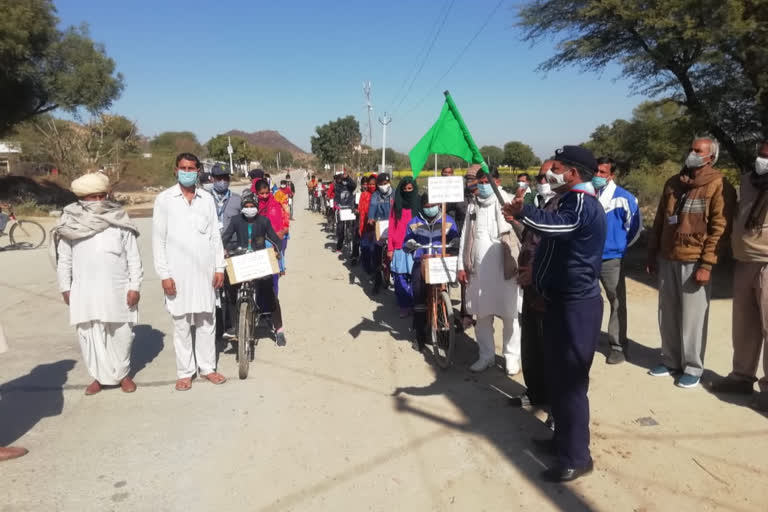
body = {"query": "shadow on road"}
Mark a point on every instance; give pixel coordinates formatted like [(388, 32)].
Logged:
[(20, 411), (147, 345)]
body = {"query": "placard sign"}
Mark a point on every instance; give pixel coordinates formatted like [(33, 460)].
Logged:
[(346, 214), (446, 189), (382, 229), (252, 265), (357, 197), (440, 270)]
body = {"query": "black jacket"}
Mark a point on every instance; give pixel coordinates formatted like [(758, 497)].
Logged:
[(261, 231), (343, 192)]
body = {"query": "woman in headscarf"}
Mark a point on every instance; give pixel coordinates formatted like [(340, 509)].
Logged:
[(406, 203)]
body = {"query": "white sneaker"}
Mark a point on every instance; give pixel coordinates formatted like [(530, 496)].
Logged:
[(481, 366), (512, 366)]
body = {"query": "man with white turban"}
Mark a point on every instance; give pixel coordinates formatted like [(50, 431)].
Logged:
[(100, 272)]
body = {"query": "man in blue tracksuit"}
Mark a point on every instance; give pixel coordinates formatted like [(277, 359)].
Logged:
[(623, 224), (567, 268)]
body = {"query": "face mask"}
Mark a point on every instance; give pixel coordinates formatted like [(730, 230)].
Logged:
[(599, 182), (431, 212), (371, 188), (761, 166), (544, 189), (484, 190), (187, 178), (694, 161), (221, 186), (283, 186), (384, 189), (250, 212), (522, 185), (208, 186), (555, 180), (93, 206)]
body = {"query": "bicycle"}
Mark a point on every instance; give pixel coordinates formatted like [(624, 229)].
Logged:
[(439, 310), (24, 234), (349, 232)]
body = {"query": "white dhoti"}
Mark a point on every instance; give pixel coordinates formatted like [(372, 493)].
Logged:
[(204, 348), (106, 350)]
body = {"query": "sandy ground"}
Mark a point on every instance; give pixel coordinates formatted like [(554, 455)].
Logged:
[(347, 416)]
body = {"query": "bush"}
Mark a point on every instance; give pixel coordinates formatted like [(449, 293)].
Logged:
[(138, 172)]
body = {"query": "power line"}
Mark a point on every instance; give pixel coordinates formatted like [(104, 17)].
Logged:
[(426, 56), (431, 36), (458, 58)]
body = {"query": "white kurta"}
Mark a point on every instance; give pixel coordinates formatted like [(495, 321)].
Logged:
[(488, 293), (97, 272), (187, 248)]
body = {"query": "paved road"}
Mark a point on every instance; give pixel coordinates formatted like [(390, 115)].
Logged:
[(346, 416)]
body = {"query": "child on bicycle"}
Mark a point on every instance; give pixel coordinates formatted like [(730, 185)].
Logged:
[(425, 228), (254, 232)]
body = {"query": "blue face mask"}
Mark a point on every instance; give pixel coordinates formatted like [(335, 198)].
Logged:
[(599, 182), (221, 186), (431, 212), (187, 178), (484, 190)]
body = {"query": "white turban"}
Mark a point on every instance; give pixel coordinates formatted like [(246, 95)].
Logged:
[(92, 183)]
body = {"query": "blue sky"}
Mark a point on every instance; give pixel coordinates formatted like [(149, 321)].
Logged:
[(290, 66)]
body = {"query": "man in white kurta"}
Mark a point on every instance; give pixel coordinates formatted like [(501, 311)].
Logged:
[(489, 295), (99, 273), (189, 258)]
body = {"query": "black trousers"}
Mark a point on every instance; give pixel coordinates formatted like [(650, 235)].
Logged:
[(419, 288), (535, 350), (268, 301)]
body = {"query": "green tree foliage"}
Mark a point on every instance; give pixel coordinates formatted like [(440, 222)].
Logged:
[(43, 68), (175, 143), (335, 141), (493, 155), (519, 155), (708, 55)]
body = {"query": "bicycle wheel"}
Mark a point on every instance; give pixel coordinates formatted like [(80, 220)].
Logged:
[(386, 273), (27, 234), (443, 334), (349, 238), (244, 329)]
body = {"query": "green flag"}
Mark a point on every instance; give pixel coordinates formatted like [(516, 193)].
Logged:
[(448, 136)]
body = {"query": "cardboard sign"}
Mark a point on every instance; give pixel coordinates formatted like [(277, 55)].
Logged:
[(252, 265), (439, 270), (346, 214), (357, 197), (382, 229), (446, 189)]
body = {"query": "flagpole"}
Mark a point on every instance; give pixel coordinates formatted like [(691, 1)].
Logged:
[(477, 157)]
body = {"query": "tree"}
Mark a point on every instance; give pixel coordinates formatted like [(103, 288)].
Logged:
[(43, 68), (519, 155), (709, 55), (493, 155), (335, 141), (175, 143)]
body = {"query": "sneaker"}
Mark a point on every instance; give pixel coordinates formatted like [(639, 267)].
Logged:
[(481, 366), (280, 339), (729, 385), (687, 381), (660, 371), (615, 357)]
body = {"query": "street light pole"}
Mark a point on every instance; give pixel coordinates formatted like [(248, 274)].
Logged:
[(384, 122)]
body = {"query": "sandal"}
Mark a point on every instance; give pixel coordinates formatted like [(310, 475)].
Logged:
[(184, 384), (215, 378)]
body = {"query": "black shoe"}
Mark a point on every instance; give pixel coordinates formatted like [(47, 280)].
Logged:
[(545, 445), (520, 401), (280, 339), (560, 474), (615, 357), (728, 385)]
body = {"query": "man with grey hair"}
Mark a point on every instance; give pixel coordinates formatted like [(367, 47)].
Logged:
[(693, 214)]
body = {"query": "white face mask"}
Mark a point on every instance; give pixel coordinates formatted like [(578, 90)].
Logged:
[(544, 189), (694, 161), (250, 212), (385, 188), (761, 166), (208, 186), (555, 180), (522, 185)]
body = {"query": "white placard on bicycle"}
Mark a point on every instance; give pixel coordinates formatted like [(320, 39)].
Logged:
[(252, 265), (441, 270), (382, 229), (445, 189), (346, 214)]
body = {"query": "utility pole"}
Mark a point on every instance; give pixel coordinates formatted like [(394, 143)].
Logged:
[(278, 161), (367, 92), (384, 122), (230, 151)]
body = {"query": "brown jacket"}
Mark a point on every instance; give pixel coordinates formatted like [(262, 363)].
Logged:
[(749, 246), (718, 198)]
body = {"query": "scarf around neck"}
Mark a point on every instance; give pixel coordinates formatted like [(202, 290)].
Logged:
[(83, 219), (407, 200), (691, 207)]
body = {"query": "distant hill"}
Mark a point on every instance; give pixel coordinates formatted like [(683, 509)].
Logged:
[(269, 139)]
